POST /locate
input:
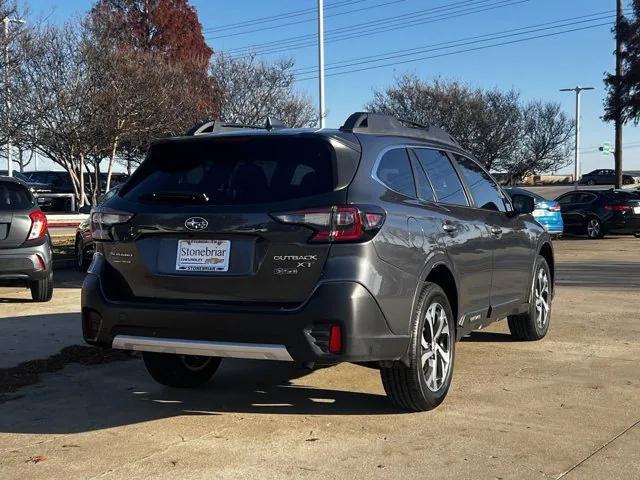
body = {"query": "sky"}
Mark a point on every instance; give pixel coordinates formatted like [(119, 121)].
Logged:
[(538, 68)]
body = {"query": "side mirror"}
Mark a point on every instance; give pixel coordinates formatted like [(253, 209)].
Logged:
[(85, 209), (523, 204)]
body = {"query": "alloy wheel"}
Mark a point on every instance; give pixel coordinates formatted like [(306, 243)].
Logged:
[(593, 228), (436, 347), (541, 297), (79, 254)]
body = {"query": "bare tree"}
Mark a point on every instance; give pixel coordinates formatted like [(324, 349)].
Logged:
[(61, 99), (485, 122), (544, 143), (252, 89)]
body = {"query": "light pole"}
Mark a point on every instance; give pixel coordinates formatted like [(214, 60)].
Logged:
[(6, 21), (577, 90), (321, 62), (618, 94)]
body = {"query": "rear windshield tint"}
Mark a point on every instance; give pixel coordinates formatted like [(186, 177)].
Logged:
[(236, 170), (15, 197)]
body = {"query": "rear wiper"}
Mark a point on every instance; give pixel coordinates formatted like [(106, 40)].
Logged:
[(177, 197)]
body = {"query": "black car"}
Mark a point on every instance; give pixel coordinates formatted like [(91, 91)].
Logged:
[(38, 189), (598, 212), (25, 246), (377, 242), (605, 176), (84, 245)]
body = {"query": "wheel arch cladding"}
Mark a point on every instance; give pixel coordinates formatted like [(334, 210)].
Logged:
[(443, 277), (547, 252)]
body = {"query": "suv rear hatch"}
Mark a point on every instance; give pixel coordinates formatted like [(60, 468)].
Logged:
[(16, 203), (203, 225)]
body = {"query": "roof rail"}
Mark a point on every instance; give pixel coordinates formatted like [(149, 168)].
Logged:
[(214, 126), (380, 124)]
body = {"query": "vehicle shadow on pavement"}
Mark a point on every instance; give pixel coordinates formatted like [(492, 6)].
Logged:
[(88, 398), (488, 337)]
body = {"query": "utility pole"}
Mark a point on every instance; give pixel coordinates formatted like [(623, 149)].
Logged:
[(6, 21), (577, 90), (618, 96), (321, 62)]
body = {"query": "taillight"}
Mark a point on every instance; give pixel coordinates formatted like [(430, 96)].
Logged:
[(335, 339), (103, 220), (38, 225), (618, 208), (553, 207), (341, 223)]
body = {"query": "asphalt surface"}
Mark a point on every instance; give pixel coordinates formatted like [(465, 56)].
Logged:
[(567, 407)]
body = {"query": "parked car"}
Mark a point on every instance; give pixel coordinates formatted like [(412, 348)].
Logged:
[(36, 188), (378, 243), (547, 212), (58, 181), (598, 212), (25, 246), (84, 244), (605, 176)]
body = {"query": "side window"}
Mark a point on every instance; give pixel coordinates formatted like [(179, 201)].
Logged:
[(395, 172), (425, 192), (446, 184), (483, 189), (566, 199), (586, 198)]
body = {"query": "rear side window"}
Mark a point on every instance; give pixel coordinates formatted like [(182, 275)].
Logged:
[(586, 198), (236, 170), (15, 197), (483, 189), (445, 181), (566, 199), (395, 172)]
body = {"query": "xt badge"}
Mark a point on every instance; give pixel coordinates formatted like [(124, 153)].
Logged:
[(302, 261)]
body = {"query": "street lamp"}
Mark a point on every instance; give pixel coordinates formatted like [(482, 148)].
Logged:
[(6, 21), (578, 90)]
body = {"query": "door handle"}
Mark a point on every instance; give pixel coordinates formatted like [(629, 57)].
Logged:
[(496, 230), (449, 227)]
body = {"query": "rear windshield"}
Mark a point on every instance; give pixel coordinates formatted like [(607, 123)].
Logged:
[(236, 170), (15, 197)]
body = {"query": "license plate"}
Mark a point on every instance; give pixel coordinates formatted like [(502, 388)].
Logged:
[(636, 210), (203, 255)]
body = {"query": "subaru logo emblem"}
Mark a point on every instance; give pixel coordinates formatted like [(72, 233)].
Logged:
[(196, 223)]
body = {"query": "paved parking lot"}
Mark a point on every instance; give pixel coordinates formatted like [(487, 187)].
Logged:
[(567, 407)]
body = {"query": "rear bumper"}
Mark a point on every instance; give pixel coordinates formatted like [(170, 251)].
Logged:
[(624, 225), (300, 334), (25, 264)]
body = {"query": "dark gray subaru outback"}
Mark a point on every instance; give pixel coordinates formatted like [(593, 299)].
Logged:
[(381, 242)]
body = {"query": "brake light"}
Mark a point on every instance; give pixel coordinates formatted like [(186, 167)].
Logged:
[(103, 220), (335, 339), (618, 208), (341, 223), (38, 225), (554, 207)]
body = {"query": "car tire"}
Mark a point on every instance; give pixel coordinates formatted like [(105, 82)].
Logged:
[(593, 228), (82, 262), (534, 324), (591, 182), (180, 371), (42, 290), (423, 383)]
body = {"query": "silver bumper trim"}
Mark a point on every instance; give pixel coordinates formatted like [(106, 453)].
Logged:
[(259, 351)]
